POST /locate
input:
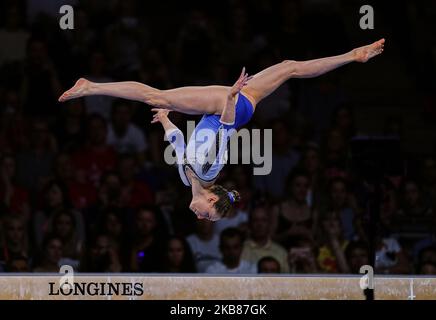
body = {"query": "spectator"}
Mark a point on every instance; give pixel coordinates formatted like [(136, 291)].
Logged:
[(390, 257), (155, 69), (357, 255), (427, 260), (125, 38), (342, 202), (63, 226), (14, 198), (34, 163), (343, 120), (12, 123), (428, 175), (70, 128), (109, 193), (310, 162), (284, 159), (294, 215), (268, 265), (394, 126), (40, 81), (112, 224), (427, 268), (18, 264), (15, 241), (171, 201), (147, 246), (81, 193), (413, 201), (196, 32), (95, 157), (14, 35), (134, 193), (80, 42), (50, 255), (428, 254), (108, 198), (123, 135), (415, 218), (389, 206), (231, 241), (102, 256), (177, 256), (204, 244), (335, 154), (302, 254), (259, 244), (56, 199), (241, 181), (331, 257)]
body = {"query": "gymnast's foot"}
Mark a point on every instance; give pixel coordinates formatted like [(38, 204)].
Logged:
[(80, 89), (363, 54)]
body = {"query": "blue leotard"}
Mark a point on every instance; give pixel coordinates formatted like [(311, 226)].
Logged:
[(206, 152)]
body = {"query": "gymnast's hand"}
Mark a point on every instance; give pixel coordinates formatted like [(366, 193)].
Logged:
[(239, 84), (160, 115)]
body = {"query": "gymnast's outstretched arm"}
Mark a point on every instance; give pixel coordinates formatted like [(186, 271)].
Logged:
[(173, 134)]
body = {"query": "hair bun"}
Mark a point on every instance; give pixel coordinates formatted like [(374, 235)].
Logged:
[(236, 195)]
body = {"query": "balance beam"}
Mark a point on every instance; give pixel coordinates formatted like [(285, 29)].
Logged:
[(194, 287)]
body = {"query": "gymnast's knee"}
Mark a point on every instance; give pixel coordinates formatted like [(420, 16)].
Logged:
[(157, 98)]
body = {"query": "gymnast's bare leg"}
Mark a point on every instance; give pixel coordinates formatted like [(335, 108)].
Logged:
[(267, 81), (212, 99)]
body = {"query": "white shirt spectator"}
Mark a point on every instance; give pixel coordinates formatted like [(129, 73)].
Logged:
[(205, 252), (133, 141), (244, 267), (386, 257), (241, 217)]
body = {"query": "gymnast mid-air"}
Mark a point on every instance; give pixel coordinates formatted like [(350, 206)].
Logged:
[(222, 107)]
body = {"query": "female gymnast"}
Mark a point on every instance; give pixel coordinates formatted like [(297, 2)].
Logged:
[(222, 107)]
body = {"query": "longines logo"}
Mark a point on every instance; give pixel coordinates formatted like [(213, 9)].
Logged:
[(67, 286), (96, 289)]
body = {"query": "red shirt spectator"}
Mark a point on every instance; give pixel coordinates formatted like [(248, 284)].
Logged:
[(91, 162), (134, 193), (96, 156), (82, 195)]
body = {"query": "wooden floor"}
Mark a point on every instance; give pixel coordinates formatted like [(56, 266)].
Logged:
[(171, 287)]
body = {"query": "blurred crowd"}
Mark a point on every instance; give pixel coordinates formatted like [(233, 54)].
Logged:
[(84, 182)]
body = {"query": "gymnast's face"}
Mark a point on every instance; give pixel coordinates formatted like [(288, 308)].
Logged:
[(203, 207)]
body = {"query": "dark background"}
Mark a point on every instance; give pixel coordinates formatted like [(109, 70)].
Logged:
[(70, 192)]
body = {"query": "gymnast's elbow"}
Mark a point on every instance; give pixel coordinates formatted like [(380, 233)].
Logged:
[(293, 68)]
